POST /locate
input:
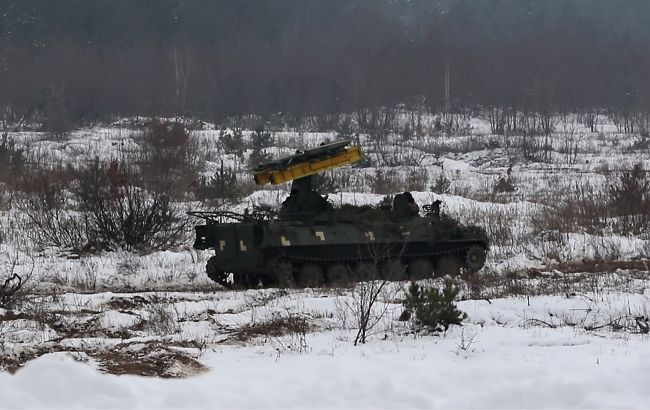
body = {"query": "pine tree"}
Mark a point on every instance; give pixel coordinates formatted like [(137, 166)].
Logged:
[(434, 308)]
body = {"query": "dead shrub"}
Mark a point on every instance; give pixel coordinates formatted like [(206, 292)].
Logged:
[(12, 159), (602, 265), (630, 200), (39, 176), (640, 144), (153, 359), (161, 319), (502, 225), (417, 180), (368, 303), (106, 209), (128, 265), (392, 152), (278, 326), (365, 306), (584, 211), (15, 283), (386, 182), (326, 182), (169, 158), (505, 183), (49, 219), (122, 214)]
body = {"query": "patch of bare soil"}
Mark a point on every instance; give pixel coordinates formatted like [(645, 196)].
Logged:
[(593, 266), (11, 315), (276, 327), (155, 359), (148, 359), (566, 279), (85, 326), (14, 359), (121, 303)]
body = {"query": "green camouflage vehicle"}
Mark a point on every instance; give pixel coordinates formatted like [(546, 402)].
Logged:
[(309, 243)]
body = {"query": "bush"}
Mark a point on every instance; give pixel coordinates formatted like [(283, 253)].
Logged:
[(123, 214), (223, 188), (505, 184), (441, 185), (232, 141), (640, 144), (261, 139), (344, 128), (434, 309), (170, 158), (630, 200), (9, 290), (417, 180), (386, 182), (12, 159), (50, 222), (583, 210), (632, 191), (107, 208), (15, 283), (324, 183)]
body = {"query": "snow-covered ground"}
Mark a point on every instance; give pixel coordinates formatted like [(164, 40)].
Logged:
[(533, 369), (573, 350), (560, 318)]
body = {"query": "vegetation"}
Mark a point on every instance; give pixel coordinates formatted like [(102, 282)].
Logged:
[(169, 159), (433, 308), (630, 200), (12, 159), (122, 214), (441, 185), (222, 188)]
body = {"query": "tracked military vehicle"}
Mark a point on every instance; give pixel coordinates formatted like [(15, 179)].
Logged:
[(309, 243)]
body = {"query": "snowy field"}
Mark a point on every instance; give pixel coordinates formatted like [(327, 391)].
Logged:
[(559, 318), (273, 349)]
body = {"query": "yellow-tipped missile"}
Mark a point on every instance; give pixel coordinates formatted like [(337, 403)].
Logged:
[(307, 163)]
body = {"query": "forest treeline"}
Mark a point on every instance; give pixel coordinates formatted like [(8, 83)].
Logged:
[(77, 61)]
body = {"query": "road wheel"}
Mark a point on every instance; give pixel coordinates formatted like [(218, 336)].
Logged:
[(475, 258), (283, 272), (341, 275), (240, 281), (366, 271), (254, 281), (448, 265), (311, 275), (420, 268), (216, 274), (392, 269)]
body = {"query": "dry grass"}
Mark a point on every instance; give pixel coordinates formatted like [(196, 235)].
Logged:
[(276, 327), (565, 279), (154, 359)]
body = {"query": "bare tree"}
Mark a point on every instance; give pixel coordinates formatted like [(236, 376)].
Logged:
[(368, 304)]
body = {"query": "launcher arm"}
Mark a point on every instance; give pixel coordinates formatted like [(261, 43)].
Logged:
[(307, 163)]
